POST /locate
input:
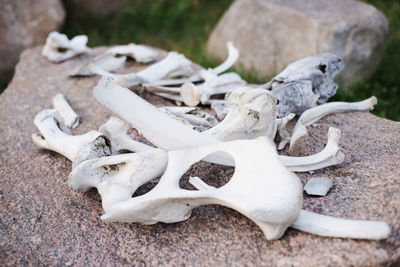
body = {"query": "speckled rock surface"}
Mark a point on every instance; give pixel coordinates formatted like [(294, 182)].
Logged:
[(43, 222)]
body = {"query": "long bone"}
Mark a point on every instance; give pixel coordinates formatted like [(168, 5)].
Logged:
[(58, 48), (56, 137), (253, 190), (105, 62), (140, 53), (306, 82), (118, 177), (173, 65), (312, 115), (174, 135), (71, 119)]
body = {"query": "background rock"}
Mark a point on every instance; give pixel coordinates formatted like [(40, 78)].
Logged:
[(282, 31), (25, 23), (43, 222)]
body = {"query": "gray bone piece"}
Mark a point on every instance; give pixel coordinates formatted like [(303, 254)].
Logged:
[(318, 186), (305, 83)]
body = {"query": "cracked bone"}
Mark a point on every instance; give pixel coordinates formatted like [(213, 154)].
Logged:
[(105, 62), (59, 48), (193, 95), (312, 115), (118, 177), (71, 119), (176, 135), (140, 53), (193, 117), (306, 82), (318, 186), (55, 136), (173, 65), (272, 205)]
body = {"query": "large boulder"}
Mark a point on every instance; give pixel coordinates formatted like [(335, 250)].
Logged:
[(43, 222), (25, 23), (273, 33)]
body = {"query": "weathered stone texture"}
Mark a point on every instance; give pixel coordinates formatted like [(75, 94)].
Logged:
[(273, 33), (43, 222), (25, 23)]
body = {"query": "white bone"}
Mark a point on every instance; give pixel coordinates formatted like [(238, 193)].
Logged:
[(284, 134), (116, 131), (176, 135), (233, 55), (141, 53), (220, 108), (251, 113), (193, 117), (318, 186), (329, 156), (323, 225), (173, 65), (118, 177), (70, 117), (314, 114), (193, 95), (306, 82), (54, 136), (253, 190), (58, 48), (105, 62)]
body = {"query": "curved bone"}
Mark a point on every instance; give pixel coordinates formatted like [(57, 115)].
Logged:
[(105, 62), (329, 156), (69, 116), (272, 205), (59, 48), (140, 53), (54, 136), (174, 135), (323, 225), (173, 65), (118, 177), (314, 114), (306, 82), (192, 94)]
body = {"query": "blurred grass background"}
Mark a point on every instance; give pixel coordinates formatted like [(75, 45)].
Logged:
[(184, 26)]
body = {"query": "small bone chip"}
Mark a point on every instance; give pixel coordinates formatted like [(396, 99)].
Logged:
[(318, 186)]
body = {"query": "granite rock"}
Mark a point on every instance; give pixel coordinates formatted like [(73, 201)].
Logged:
[(25, 24), (273, 33), (43, 222)]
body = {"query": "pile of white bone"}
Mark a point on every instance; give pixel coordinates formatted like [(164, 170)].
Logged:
[(263, 187)]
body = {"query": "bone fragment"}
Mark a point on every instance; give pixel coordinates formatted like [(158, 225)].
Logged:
[(55, 136), (59, 48), (140, 53), (193, 117), (176, 135), (193, 95), (173, 65), (118, 177), (69, 116), (272, 205), (220, 108), (284, 134), (323, 225), (105, 62), (318, 186), (305, 83), (314, 114)]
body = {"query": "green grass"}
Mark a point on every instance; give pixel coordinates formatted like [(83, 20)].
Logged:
[(184, 26)]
